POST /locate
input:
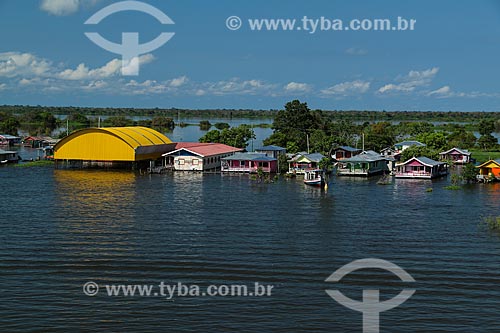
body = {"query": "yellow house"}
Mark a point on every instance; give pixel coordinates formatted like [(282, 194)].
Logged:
[(489, 169), (111, 147)]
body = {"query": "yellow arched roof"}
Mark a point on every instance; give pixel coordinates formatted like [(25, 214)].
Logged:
[(112, 144)]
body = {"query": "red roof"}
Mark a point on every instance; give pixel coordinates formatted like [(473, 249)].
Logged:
[(205, 149), (179, 145)]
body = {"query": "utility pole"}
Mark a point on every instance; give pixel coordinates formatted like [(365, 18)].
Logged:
[(307, 137)]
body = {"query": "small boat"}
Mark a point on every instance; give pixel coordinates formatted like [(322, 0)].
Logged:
[(314, 177)]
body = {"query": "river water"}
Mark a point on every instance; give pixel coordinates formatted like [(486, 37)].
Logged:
[(62, 228)]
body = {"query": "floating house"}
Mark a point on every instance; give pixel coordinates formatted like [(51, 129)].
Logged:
[(195, 156), (421, 168), (112, 147), (365, 164), (249, 162), (46, 153), (272, 151), (395, 152), (38, 141), (489, 170), (7, 156), (457, 155), (401, 146), (344, 152), (9, 140), (303, 161)]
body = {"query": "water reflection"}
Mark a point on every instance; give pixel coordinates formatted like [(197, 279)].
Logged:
[(94, 209)]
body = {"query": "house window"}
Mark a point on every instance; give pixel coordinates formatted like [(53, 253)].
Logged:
[(181, 161), (195, 162), (242, 163)]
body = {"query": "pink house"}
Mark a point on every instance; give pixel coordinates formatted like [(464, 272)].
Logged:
[(457, 155), (249, 162), (422, 168)]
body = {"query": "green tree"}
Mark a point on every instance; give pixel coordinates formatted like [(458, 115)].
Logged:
[(282, 163), (237, 136), (163, 123), (79, 118), (211, 136), (320, 142), (434, 140), (469, 173), (221, 126), (486, 126), (296, 122), (417, 151), (343, 132), (10, 125), (118, 121), (205, 125), (487, 141), (461, 138)]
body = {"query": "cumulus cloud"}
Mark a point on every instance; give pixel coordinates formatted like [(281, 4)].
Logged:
[(112, 68), (410, 82), (348, 88), (14, 64), (237, 86), (3, 86), (297, 87), (179, 81)]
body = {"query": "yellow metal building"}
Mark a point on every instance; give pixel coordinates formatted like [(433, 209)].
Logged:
[(110, 145)]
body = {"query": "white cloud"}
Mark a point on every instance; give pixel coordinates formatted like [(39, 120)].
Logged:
[(60, 7), (95, 85), (112, 68), (236, 86), (64, 7), (444, 91), (297, 87), (347, 88), (3, 86), (15, 63), (146, 87), (356, 51), (179, 81), (411, 81)]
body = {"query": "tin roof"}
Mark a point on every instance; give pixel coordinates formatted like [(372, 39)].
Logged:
[(9, 137), (314, 157), (460, 151), (423, 160), (270, 148), (349, 148), (366, 156), (249, 157), (497, 162), (410, 143), (203, 149)]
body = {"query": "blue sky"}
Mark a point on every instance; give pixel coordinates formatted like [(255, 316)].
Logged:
[(449, 62)]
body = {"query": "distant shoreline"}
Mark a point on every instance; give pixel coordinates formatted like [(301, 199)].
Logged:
[(355, 115)]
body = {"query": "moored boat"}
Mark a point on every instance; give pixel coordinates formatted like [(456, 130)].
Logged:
[(314, 177)]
